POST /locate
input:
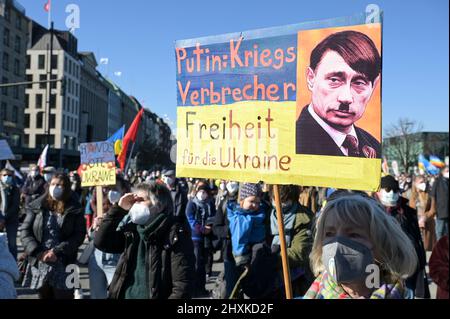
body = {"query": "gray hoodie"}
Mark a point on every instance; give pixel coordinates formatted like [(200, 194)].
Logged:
[(8, 271)]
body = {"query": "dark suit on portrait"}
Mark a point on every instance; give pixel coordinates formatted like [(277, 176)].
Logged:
[(312, 139)]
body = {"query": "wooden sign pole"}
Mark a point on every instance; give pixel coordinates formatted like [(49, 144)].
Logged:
[(99, 192), (284, 259)]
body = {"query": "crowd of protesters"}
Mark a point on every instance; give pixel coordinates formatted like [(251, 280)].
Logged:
[(158, 236)]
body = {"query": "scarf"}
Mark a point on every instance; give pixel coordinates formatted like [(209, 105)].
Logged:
[(324, 287), (288, 220)]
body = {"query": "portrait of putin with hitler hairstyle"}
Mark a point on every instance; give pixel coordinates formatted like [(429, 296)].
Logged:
[(343, 73)]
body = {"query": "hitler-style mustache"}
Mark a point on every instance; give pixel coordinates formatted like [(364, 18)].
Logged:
[(343, 107)]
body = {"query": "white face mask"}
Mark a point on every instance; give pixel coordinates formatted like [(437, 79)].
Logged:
[(389, 199), (445, 175), (114, 196), (202, 196), (232, 187), (421, 187), (139, 214), (56, 192), (223, 186), (48, 177)]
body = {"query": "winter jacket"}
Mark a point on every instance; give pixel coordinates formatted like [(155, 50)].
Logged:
[(179, 198), (247, 228), (439, 267), (200, 214), (8, 271), (72, 232), (9, 211), (33, 188), (154, 264), (301, 239)]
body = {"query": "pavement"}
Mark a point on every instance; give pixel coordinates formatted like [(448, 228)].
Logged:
[(217, 268)]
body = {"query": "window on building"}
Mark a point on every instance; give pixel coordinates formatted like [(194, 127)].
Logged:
[(39, 101), (3, 111), (66, 142), (26, 140), (52, 120), (19, 22), (15, 114), (54, 84), (70, 67), (16, 67), (29, 79), (64, 123), (5, 89), (5, 61), (7, 14), (53, 101), (26, 121), (6, 37), (74, 143), (27, 101), (17, 44), (41, 62), (28, 65), (16, 92), (40, 120), (42, 78), (54, 61)]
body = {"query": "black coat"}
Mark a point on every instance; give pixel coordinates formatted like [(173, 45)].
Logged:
[(72, 232), (11, 212), (312, 139), (169, 257)]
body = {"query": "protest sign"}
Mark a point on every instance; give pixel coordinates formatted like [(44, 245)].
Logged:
[(5, 151), (298, 104), (97, 164)]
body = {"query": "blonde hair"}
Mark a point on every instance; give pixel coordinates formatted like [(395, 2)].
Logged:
[(392, 249)]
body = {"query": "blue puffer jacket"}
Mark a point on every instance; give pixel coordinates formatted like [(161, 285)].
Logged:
[(246, 228)]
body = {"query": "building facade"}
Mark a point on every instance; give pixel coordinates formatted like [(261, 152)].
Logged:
[(93, 101), (52, 115), (13, 45)]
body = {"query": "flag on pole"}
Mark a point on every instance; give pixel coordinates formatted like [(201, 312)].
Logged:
[(436, 161), (48, 6), (42, 162), (426, 166), (117, 139), (130, 136), (11, 168)]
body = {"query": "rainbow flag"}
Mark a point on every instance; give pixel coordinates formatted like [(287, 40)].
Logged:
[(426, 166), (436, 161)]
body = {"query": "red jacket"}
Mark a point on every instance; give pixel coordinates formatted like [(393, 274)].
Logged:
[(439, 267)]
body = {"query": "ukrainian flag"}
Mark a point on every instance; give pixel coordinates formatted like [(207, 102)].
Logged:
[(436, 161), (117, 139)]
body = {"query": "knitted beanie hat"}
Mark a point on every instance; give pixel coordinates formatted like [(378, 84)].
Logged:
[(248, 189)]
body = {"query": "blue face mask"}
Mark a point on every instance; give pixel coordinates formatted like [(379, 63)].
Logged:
[(7, 180)]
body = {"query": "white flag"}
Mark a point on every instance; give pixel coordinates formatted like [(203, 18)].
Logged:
[(104, 61), (119, 74), (11, 168), (42, 162)]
